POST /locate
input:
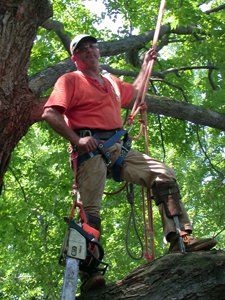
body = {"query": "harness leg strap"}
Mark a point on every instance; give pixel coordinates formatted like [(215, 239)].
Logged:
[(168, 193)]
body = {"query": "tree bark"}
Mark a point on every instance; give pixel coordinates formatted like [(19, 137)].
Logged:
[(19, 21), (199, 275), (185, 111)]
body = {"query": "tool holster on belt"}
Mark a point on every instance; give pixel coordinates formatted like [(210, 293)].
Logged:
[(168, 193)]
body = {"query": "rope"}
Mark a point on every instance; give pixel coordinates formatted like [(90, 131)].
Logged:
[(142, 91), (116, 192), (140, 107), (130, 198)]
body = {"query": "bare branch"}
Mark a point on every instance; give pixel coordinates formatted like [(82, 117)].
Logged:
[(213, 85), (58, 27), (175, 86), (177, 70), (216, 9), (20, 185)]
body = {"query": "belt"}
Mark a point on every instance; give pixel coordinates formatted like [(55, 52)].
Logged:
[(98, 133), (103, 147)]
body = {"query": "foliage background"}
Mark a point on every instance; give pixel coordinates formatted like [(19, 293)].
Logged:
[(37, 188)]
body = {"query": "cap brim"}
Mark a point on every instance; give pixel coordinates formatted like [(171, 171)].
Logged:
[(78, 40)]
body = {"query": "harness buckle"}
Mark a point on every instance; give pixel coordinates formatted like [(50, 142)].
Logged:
[(85, 132)]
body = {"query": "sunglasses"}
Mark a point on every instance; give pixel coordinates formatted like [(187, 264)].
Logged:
[(85, 47)]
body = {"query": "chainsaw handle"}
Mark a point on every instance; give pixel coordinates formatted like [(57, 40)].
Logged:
[(82, 214)]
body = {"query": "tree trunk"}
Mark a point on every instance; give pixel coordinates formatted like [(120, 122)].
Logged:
[(19, 21), (199, 275)]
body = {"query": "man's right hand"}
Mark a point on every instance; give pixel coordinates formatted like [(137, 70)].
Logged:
[(87, 144), (57, 122)]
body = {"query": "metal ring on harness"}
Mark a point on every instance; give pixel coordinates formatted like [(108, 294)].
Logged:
[(103, 150)]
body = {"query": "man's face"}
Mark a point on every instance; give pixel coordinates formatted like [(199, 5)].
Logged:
[(87, 54)]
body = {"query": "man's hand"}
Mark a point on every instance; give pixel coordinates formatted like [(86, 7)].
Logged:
[(87, 144), (138, 83), (150, 54)]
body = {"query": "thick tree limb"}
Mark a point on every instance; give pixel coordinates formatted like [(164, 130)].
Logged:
[(185, 111), (199, 275), (167, 107), (44, 80), (126, 44)]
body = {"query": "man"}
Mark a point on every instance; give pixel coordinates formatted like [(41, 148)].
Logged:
[(86, 103)]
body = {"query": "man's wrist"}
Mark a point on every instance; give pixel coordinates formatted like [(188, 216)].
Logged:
[(75, 140)]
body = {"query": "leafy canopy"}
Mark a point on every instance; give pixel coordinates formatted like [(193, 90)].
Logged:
[(37, 186)]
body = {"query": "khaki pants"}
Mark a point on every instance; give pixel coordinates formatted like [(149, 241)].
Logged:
[(138, 168)]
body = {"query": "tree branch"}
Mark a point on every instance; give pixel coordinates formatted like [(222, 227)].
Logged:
[(170, 108), (204, 275), (177, 70), (58, 27), (126, 44), (44, 80), (213, 85), (185, 111), (216, 9)]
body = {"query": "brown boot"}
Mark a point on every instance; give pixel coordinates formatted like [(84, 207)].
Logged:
[(91, 282), (192, 244)]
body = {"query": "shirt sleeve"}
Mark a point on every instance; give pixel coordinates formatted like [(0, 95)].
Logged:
[(62, 93), (126, 91)]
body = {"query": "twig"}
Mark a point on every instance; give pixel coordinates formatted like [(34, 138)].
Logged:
[(21, 187)]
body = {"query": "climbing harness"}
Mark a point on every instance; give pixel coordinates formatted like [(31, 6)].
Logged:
[(103, 146)]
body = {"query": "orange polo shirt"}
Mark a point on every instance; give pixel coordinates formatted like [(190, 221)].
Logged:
[(87, 104)]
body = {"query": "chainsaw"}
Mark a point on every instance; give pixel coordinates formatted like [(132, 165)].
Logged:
[(80, 251)]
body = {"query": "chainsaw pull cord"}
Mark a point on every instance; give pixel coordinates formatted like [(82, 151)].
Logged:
[(130, 198), (140, 107)]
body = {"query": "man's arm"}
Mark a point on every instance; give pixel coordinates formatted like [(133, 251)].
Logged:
[(57, 122)]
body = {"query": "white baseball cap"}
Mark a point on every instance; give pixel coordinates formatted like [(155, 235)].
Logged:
[(80, 38)]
